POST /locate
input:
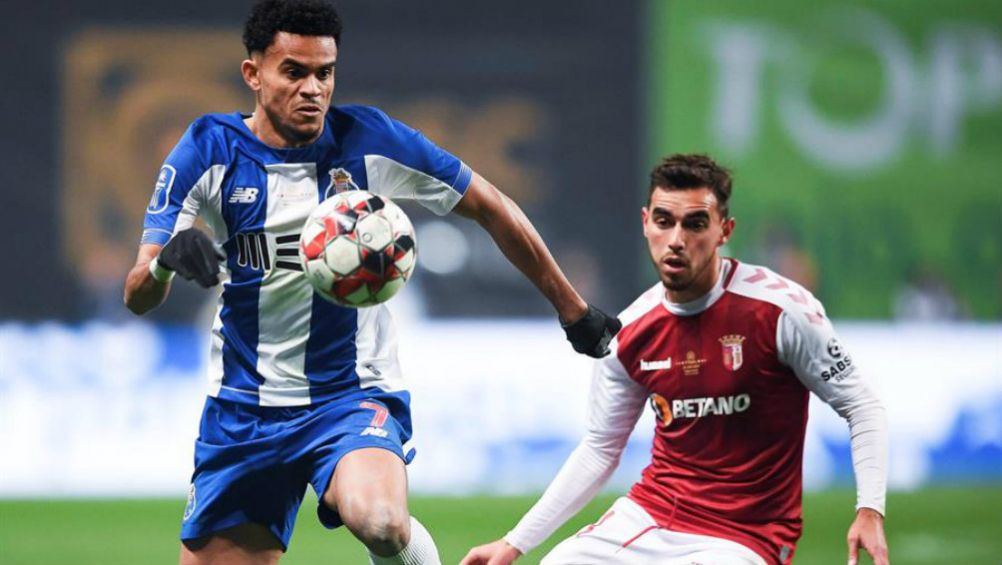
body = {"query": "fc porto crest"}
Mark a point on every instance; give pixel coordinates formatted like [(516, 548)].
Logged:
[(189, 508), (734, 357), (340, 182)]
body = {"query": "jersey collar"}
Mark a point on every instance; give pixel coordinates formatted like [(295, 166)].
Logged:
[(700, 304)]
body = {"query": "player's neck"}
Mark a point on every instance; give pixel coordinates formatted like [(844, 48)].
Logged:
[(267, 132), (699, 287)]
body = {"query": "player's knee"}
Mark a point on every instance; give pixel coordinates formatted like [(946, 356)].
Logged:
[(382, 526)]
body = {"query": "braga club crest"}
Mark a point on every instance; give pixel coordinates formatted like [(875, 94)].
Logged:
[(733, 355), (340, 182)]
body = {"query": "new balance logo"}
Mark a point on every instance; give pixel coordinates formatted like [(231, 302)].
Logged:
[(373, 431), (244, 195), (662, 365)]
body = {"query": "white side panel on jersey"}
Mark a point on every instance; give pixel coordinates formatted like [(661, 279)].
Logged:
[(376, 343), (215, 366), (204, 197), (394, 180), (285, 300)]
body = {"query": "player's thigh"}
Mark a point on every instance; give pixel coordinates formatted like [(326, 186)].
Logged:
[(246, 544), (370, 479), (617, 538)]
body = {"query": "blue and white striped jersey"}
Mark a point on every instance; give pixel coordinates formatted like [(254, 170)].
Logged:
[(274, 343)]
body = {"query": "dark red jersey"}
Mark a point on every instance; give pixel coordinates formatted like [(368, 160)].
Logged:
[(732, 411)]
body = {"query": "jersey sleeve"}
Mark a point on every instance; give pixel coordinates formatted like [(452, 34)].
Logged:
[(414, 168), (812, 349), (615, 403), (176, 200)]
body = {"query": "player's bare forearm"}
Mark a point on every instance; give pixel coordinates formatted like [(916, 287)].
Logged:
[(142, 292), (867, 531), (516, 237)]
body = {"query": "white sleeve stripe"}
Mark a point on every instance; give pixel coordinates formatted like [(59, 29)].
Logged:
[(393, 179)]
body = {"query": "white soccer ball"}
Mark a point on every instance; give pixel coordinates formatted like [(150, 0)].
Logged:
[(357, 248)]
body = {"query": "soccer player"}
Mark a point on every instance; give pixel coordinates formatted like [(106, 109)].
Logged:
[(303, 391), (726, 354)]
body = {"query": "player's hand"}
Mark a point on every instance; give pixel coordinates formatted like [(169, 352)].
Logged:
[(867, 530), (496, 553), (191, 254), (592, 333)]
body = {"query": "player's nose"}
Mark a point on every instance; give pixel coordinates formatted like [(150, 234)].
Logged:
[(676, 238)]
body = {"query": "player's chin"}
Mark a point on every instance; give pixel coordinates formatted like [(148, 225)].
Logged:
[(675, 281), (309, 129)]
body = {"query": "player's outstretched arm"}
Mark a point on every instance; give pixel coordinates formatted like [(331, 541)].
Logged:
[(499, 552), (588, 329), (867, 531), (143, 292), (189, 253)]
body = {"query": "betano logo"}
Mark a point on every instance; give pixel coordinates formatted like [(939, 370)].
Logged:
[(669, 411)]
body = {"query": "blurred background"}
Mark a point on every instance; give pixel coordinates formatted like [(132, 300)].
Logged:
[(866, 142)]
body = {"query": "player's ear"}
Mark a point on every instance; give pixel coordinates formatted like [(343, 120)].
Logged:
[(250, 70), (643, 218), (728, 228)]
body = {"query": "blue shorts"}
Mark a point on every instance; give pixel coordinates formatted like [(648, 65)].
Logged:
[(252, 463)]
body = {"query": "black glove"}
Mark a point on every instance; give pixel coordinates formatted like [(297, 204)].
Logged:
[(191, 254), (593, 332)]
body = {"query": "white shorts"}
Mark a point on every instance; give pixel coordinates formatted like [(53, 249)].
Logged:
[(627, 535)]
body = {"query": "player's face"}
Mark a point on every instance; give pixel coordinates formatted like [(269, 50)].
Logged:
[(294, 81), (684, 229)]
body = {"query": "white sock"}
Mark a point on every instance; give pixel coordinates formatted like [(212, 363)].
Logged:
[(420, 550)]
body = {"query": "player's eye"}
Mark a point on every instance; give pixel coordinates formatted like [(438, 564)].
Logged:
[(325, 74), (699, 224), (294, 73)]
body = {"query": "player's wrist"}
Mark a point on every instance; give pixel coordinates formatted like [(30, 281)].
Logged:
[(159, 272), (867, 512)]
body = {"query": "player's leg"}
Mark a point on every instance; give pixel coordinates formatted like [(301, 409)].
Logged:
[(368, 491), (617, 538), (246, 544), (244, 498)]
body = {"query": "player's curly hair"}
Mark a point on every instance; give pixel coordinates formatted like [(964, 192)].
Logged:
[(302, 17), (687, 171)]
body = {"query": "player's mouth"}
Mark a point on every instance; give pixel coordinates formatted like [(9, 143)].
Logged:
[(674, 265), (310, 110)]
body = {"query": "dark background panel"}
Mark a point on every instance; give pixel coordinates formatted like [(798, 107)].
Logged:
[(566, 73)]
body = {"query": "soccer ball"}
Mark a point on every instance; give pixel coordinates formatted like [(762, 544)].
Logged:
[(357, 249)]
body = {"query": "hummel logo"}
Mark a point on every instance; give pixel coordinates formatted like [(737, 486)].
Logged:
[(662, 365), (244, 195)]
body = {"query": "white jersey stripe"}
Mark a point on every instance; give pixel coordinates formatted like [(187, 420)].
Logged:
[(286, 298)]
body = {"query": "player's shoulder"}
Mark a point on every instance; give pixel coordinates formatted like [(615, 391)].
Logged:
[(360, 115), (646, 303), (765, 286), (207, 134)]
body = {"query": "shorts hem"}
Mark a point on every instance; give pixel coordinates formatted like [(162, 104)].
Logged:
[(195, 531)]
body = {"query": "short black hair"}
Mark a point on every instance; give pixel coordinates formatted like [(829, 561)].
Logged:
[(690, 171), (302, 17)]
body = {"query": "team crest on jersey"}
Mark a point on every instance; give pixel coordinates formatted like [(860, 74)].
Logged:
[(189, 508), (734, 357), (161, 192), (340, 182)]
